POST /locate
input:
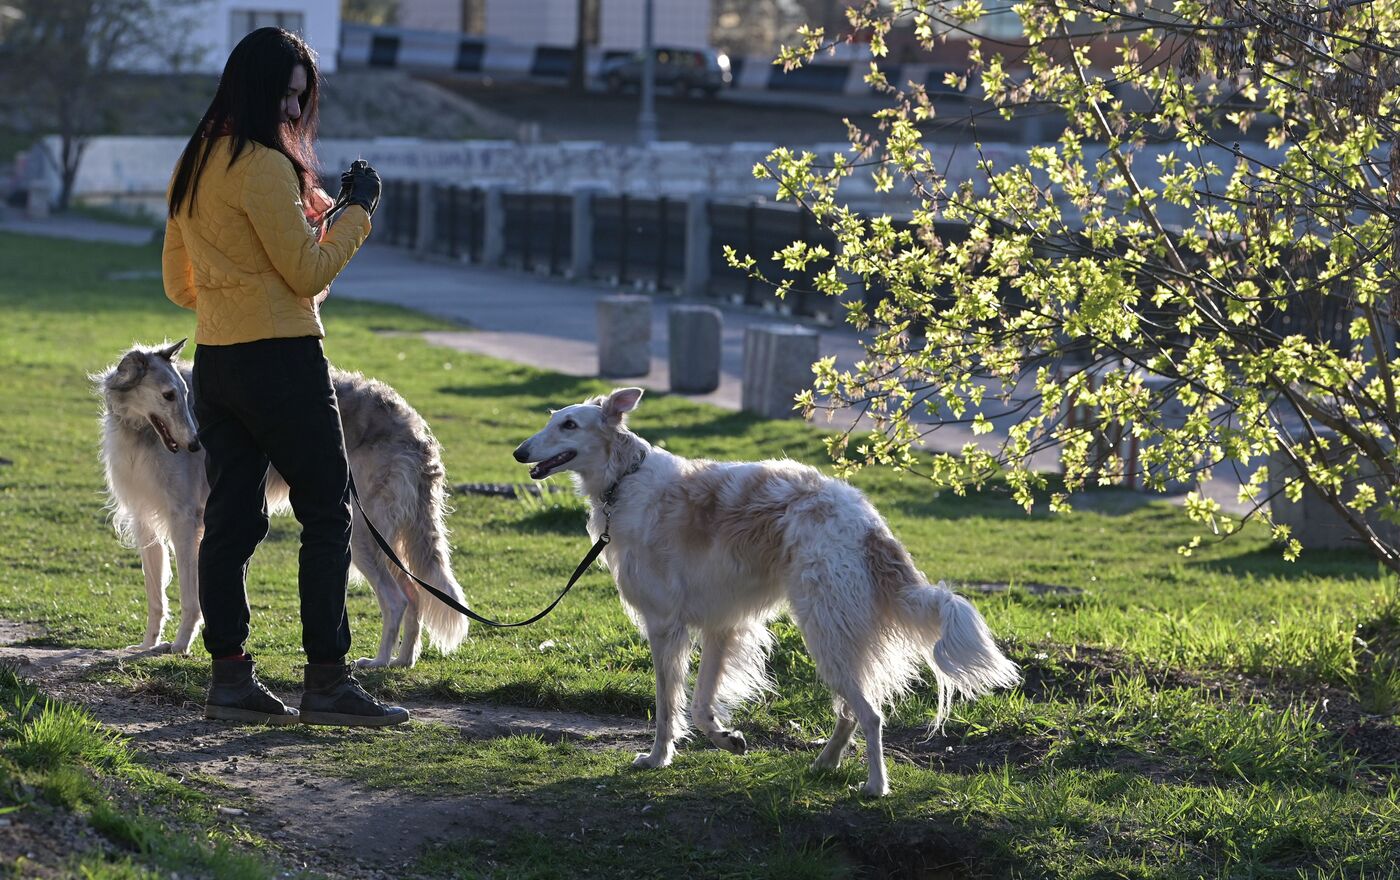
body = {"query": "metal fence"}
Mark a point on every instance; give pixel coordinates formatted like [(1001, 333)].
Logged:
[(631, 241), (398, 213), (459, 222), (639, 240), (537, 231)]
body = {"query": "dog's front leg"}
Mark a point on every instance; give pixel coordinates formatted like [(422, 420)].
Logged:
[(670, 655), (187, 570), (155, 566)]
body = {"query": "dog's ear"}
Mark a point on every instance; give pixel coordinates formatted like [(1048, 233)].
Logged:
[(129, 371), (170, 351), (621, 402)]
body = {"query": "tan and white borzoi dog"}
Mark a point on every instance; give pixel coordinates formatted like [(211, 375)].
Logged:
[(717, 548), (157, 489)]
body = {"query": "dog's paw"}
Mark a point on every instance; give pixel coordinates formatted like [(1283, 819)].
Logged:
[(181, 648), (647, 761), (370, 663), (730, 741), (825, 762), (152, 648), (403, 662), (875, 788)]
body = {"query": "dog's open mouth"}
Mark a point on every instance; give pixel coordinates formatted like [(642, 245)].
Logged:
[(542, 469), (164, 431)]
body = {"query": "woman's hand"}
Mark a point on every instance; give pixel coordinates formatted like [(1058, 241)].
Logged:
[(364, 185)]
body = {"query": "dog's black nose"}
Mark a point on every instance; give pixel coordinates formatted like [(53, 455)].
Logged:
[(194, 446), (520, 454)]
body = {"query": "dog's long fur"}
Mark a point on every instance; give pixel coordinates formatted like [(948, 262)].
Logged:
[(718, 548), (157, 491)]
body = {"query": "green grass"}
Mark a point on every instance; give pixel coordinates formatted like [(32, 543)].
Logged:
[(57, 762), (1172, 724)]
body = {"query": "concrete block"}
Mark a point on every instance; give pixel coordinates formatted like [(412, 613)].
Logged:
[(777, 365), (624, 336), (695, 333)]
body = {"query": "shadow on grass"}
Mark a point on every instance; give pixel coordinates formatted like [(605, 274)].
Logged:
[(560, 390), (1268, 562), (559, 519)]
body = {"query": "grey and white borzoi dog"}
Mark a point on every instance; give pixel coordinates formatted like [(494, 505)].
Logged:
[(157, 490), (717, 548)]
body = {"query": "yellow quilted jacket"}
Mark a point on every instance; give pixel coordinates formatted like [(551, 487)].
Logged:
[(247, 260)]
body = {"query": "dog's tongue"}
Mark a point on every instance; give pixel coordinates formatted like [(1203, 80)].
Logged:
[(164, 433), (542, 469)]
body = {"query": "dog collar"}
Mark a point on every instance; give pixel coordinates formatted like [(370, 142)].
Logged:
[(611, 494)]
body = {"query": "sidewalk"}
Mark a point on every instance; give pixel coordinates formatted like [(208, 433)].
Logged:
[(549, 322), (75, 228)]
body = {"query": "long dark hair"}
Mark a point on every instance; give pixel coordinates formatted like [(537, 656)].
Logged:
[(247, 107)]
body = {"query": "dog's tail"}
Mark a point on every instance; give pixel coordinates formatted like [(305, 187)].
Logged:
[(958, 645), (944, 627), (427, 554)]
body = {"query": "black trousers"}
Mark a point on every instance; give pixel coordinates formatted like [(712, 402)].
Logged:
[(272, 401)]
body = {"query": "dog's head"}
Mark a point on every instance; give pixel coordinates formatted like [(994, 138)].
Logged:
[(146, 387), (578, 438)]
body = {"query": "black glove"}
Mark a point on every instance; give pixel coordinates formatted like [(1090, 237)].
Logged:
[(364, 185)]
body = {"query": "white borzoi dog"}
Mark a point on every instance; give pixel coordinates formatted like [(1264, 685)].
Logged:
[(157, 490), (717, 548)]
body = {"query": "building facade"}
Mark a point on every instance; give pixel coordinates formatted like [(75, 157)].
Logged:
[(214, 27), (608, 24)]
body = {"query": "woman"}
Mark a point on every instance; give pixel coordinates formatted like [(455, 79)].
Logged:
[(240, 251)]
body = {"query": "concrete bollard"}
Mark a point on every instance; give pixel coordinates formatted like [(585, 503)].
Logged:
[(493, 226), (697, 246), (695, 334), (777, 365), (36, 203), (581, 234), (624, 335), (427, 217)]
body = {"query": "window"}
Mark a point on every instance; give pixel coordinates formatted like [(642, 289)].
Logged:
[(245, 21)]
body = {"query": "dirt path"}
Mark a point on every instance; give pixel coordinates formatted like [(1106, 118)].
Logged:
[(327, 825)]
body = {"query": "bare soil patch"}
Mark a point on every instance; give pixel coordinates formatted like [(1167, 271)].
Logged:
[(318, 823)]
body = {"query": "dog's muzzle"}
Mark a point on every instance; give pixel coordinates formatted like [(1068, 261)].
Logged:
[(543, 468)]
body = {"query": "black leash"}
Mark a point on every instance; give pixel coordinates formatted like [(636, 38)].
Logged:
[(452, 603)]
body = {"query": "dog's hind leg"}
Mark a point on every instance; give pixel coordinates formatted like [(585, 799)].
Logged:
[(715, 651), (410, 641), (155, 566), (372, 564), (670, 655), (872, 725), (838, 637), (187, 570), (831, 755)]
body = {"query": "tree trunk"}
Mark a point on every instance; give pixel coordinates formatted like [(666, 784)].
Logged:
[(72, 155)]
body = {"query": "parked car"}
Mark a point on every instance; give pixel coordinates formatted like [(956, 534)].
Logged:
[(680, 71)]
